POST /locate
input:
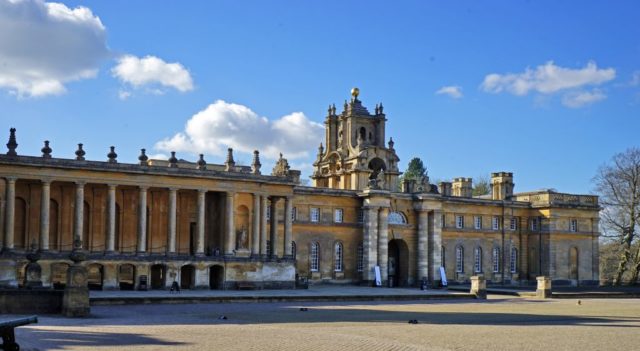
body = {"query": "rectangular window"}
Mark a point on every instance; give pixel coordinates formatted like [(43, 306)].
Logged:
[(360, 255), (514, 260), (459, 221), (442, 221), (534, 224), (514, 223), (573, 225), (477, 222), (314, 264), (360, 216), (268, 213), (315, 214), (477, 264), (338, 215), (443, 257), (459, 259), (294, 214), (496, 260), (495, 223)]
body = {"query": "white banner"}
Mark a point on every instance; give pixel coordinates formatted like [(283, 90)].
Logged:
[(443, 275), (376, 269)]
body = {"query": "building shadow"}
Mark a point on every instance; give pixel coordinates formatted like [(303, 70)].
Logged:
[(45, 339)]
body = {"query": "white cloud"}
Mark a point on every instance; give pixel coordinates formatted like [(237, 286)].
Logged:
[(547, 79), (124, 94), (45, 45), (223, 125), (452, 91), (152, 71), (578, 99), (635, 79)]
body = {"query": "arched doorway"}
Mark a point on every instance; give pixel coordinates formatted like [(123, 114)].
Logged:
[(187, 277), (126, 276), (94, 276), (216, 277), (573, 266), (158, 276), (398, 263)]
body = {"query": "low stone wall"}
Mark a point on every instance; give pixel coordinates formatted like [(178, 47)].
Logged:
[(19, 301)]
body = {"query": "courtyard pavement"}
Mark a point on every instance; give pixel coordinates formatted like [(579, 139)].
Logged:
[(499, 323)]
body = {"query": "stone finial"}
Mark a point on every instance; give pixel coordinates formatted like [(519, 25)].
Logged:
[(329, 111), (143, 158), (255, 165), (380, 109), (80, 153), (377, 109), (173, 161), (12, 145), (229, 164), (333, 109), (112, 156), (281, 169), (391, 143), (346, 106), (202, 164), (46, 150), (320, 151)]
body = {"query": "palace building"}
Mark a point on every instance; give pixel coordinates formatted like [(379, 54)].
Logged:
[(230, 226)]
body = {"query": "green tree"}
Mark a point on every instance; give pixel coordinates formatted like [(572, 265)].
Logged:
[(415, 169)]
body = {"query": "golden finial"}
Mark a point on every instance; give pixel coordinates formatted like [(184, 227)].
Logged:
[(355, 92)]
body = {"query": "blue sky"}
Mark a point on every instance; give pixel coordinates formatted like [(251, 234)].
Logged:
[(565, 95)]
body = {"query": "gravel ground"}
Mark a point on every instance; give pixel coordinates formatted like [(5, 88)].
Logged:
[(498, 323)]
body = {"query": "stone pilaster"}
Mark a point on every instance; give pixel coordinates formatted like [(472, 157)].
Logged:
[(78, 218), (44, 215), (111, 218), (172, 220), (274, 227), (200, 224), (10, 211), (255, 226), (369, 243), (142, 222), (423, 249), (383, 243), (263, 225), (435, 245), (288, 211), (230, 230)]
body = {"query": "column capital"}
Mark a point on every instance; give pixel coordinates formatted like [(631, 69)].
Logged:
[(202, 191), (11, 179), (46, 181), (173, 188), (230, 193), (370, 207), (112, 186), (80, 183), (143, 187)]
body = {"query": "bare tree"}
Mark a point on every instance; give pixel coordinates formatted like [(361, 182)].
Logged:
[(481, 186), (618, 184)]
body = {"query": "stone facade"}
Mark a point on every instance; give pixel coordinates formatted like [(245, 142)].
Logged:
[(209, 226)]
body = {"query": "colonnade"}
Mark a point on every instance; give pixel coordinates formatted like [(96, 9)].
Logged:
[(258, 240)]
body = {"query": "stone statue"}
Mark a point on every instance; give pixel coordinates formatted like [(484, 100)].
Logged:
[(241, 239)]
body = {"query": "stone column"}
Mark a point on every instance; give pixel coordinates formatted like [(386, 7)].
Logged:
[(230, 232), (44, 215), (201, 211), (10, 211), (111, 221), (288, 211), (435, 245), (171, 222), (255, 227), (383, 243), (142, 221), (423, 250), (274, 227), (78, 218), (369, 243), (263, 226)]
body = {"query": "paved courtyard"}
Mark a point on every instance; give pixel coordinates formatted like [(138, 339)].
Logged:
[(498, 323)]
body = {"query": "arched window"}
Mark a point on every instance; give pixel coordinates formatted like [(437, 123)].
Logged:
[(459, 259), (337, 257), (397, 218), (477, 260), (514, 260), (314, 257), (360, 258), (363, 133), (293, 250), (496, 259)]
